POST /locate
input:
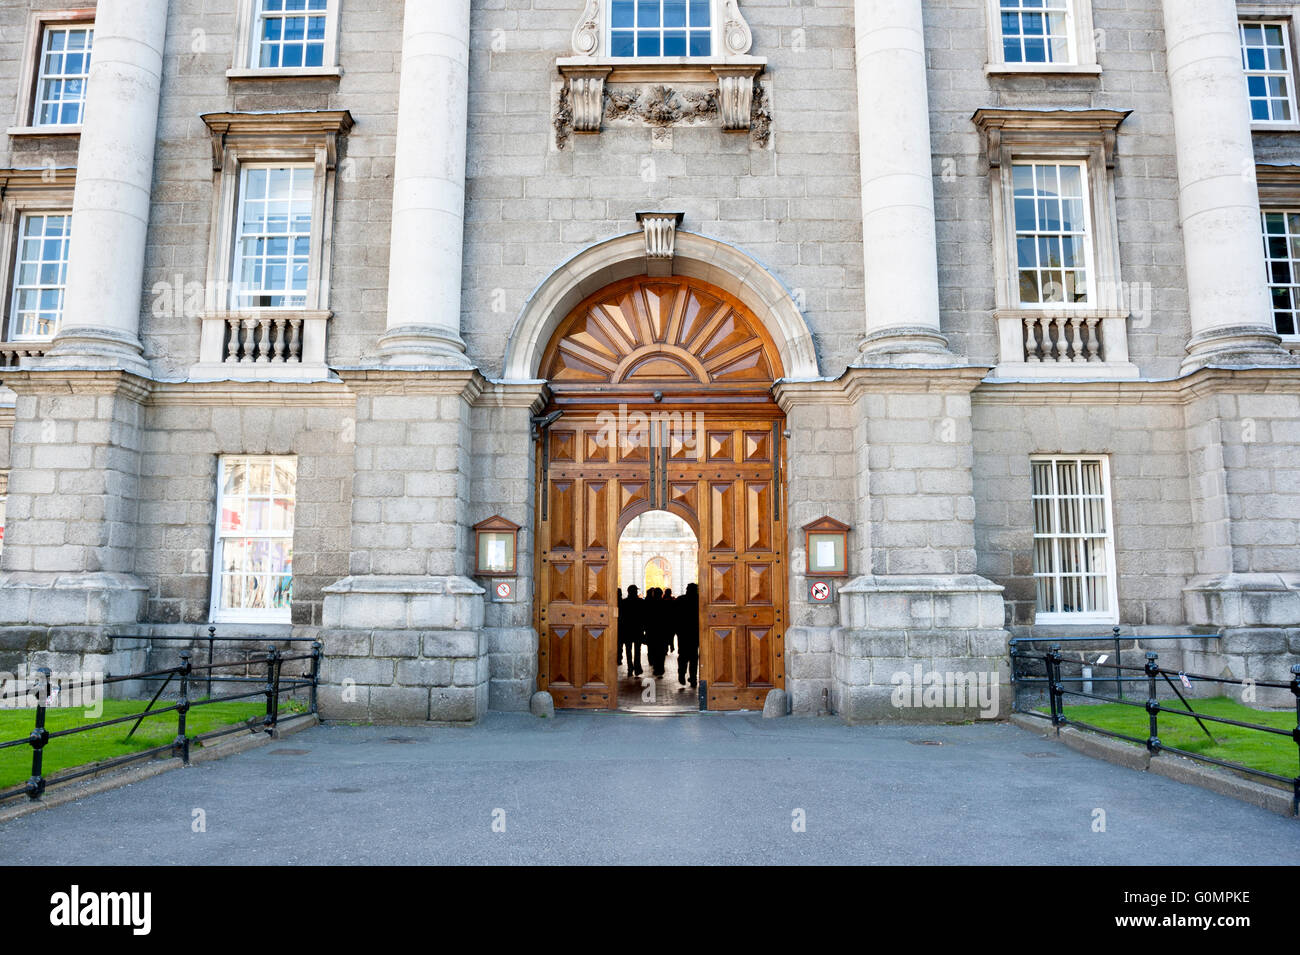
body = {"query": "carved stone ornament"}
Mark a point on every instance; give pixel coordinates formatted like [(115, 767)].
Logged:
[(660, 230), (736, 36), (586, 35)]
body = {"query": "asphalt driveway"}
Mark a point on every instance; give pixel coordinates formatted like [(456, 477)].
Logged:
[(615, 788)]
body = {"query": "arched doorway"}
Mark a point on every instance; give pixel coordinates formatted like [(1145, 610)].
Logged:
[(664, 391)]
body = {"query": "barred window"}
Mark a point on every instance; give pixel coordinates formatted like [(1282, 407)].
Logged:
[(40, 276), (1053, 245), (62, 74), (1282, 259), (1266, 58), (273, 236), (1074, 554), (254, 544), (1036, 31), (660, 28)]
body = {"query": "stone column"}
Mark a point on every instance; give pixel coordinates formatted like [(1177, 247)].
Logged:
[(898, 233), (1228, 301), (428, 220), (110, 207)]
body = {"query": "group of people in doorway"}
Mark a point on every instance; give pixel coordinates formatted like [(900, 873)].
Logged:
[(660, 622)]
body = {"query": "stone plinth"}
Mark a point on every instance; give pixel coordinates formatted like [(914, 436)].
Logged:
[(906, 646), (404, 650)]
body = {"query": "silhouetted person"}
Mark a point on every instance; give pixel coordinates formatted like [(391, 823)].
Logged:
[(687, 612), (671, 617), (657, 611), (631, 625)]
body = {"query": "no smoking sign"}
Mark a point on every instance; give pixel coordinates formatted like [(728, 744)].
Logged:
[(819, 591)]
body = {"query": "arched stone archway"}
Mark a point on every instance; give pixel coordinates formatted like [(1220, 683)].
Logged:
[(699, 257)]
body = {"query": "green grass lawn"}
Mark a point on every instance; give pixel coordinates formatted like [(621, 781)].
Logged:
[(93, 746), (1274, 754)]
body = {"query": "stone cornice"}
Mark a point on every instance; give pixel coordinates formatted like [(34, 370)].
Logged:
[(77, 381), (42, 181), (858, 380), (273, 128), (530, 395), (1047, 125), (1203, 383), (368, 380)]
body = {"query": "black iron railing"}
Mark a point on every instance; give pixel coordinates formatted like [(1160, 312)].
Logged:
[(1059, 687), (271, 684)]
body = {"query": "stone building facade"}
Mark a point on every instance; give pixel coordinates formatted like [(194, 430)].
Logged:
[(288, 286)]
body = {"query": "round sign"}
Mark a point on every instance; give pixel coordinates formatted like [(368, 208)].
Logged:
[(503, 590), (821, 590)]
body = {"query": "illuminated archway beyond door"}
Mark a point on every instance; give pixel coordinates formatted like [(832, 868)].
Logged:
[(664, 388)]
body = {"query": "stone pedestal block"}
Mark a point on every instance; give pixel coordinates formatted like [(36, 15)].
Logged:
[(404, 650), (920, 649)]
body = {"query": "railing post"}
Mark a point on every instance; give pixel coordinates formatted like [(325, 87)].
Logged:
[(315, 672), (181, 745), (212, 637), (1054, 686), (1295, 735), (1119, 674), (272, 688), (39, 737), (1152, 669)]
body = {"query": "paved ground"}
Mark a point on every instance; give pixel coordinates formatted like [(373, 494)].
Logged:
[(601, 788)]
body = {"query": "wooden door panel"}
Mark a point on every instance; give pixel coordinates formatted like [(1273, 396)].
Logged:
[(722, 518), (726, 487), (562, 513)]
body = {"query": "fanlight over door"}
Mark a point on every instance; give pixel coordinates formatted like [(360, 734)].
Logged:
[(669, 333)]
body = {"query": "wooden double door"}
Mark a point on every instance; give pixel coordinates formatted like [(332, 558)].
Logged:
[(720, 471)]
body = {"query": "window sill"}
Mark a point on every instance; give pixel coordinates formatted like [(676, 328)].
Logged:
[(1074, 619), (1275, 127), (652, 69), (45, 130), (1042, 69), (283, 73)]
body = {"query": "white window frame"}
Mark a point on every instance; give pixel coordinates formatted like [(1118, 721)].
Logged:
[(1110, 616), (44, 79), (218, 614), (1270, 16), (248, 47), (1081, 35), (1266, 210), (237, 255), (1089, 239), (11, 324), (715, 37), (36, 191), (38, 23)]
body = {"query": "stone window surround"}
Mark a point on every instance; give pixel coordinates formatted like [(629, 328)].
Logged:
[(1110, 616), (1283, 13), (1055, 135), (1279, 188), (731, 70), (1083, 44), (245, 46), (21, 191), (24, 114), (272, 137)]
